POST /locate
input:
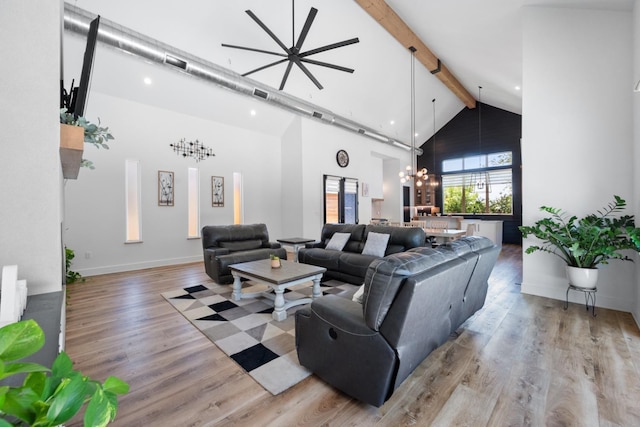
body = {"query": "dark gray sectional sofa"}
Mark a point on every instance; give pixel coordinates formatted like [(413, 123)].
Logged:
[(349, 264), (224, 245), (412, 302)]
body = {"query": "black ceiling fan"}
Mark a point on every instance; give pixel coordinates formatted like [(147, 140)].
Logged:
[(294, 54)]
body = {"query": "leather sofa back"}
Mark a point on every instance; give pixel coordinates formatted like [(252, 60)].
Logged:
[(238, 237), (400, 238), (355, 243)]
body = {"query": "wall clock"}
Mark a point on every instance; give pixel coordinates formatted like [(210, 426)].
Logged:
[(342, 158)]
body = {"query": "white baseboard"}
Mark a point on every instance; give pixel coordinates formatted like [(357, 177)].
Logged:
[(87, 272)]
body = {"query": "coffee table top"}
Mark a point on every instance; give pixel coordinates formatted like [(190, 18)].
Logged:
[(295, 240), (288, 272)]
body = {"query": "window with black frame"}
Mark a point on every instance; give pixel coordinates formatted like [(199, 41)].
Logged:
[(340, 200), (478, 184)]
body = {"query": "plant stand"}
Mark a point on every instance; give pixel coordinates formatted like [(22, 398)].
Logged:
[(589, 297)]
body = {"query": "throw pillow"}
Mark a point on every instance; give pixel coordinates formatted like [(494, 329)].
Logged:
[(338, 240), (357, 297), (376, 244)]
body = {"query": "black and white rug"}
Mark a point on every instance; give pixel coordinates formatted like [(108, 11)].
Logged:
[(245, 330)]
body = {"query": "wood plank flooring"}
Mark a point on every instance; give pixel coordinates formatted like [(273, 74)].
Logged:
[(520, 361)]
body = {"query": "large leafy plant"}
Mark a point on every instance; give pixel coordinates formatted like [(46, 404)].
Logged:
[(49, 397), (93, 134), (589, 241)]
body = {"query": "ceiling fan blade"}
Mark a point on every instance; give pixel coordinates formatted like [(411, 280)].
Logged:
[(306, 71), (325, 64), (286, 75), (268, 31), (307, 26), (253, 50), (329, 47), (265, 66)]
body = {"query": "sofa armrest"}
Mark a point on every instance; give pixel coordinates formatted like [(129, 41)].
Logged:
[(272, 245), (334, 342), (314, 245), (214, 252)]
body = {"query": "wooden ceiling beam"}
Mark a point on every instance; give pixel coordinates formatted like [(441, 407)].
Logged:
[(390, 21)]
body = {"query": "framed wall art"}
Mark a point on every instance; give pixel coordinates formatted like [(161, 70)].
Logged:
[(217, 191), (165, 188)]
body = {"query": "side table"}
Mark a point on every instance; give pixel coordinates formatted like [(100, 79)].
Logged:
[(297, 243), (589, 297)]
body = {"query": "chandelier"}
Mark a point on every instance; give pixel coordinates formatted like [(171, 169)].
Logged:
[(411, 171), (195, 150)]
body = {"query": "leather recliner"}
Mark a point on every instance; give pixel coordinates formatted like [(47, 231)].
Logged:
[(224, 245), (412, 302)]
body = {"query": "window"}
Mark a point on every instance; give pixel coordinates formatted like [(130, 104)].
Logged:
[(340, 200), (193, 203), (478, 184), (238, 207), (132, 202)]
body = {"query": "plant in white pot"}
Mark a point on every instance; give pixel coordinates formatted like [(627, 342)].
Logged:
[(585, 243)]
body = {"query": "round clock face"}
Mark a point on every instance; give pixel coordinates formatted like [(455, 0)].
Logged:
[(342, 158)]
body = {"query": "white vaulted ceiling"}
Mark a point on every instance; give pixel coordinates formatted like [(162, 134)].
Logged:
[(479, 41)]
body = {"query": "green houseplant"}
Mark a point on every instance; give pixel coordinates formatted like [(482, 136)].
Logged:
[(587, 242), (49, 397), (93, 134)]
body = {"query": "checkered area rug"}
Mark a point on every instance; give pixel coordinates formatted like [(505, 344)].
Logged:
[(245, 330)]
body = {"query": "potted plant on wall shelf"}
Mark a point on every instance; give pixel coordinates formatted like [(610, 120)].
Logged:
[(585, 243), (74, 132)]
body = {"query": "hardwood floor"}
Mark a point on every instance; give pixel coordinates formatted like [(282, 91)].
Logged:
[(520, 361)]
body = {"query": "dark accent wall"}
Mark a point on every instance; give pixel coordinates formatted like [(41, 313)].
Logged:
[(501, 131)]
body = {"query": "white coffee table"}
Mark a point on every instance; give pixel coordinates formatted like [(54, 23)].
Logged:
[(278, 279)]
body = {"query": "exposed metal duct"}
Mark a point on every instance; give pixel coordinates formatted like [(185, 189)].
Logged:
[(77, 20)]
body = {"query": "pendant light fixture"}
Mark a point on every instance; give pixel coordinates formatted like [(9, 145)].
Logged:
[(411, 171), (483, 177), (434, 179)]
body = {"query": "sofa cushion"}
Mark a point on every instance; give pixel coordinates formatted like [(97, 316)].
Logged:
[(356, 240), (338, 241), (320, 257), (376, 244), (400, 238), (355, 264), (241, 245)]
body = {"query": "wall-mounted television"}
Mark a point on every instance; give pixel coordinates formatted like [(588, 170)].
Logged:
[(76, 99)]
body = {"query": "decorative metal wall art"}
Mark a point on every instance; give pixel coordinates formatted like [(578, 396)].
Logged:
[(195, 150)]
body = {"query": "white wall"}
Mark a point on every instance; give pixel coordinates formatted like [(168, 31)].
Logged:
[(577, 131), (95, 203), (636, 138), (292, 176), (282, 181), (320, 144), (30, 210)]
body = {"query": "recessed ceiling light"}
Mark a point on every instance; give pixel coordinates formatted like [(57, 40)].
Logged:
[(393, 122), (147, 81), (416, 134), (517, 87), (253, 112)]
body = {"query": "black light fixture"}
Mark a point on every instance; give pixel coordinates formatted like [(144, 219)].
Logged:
[(195, 150), (483, 177), (434, 179), (411, 171)]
